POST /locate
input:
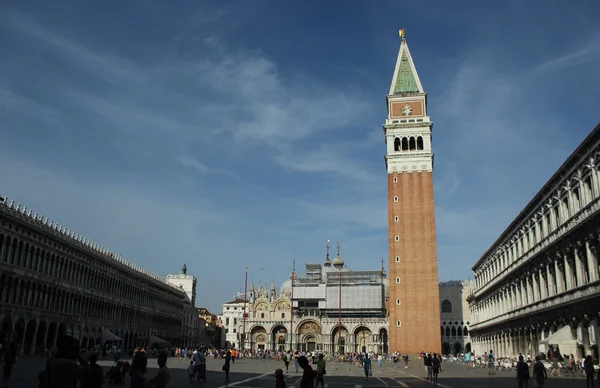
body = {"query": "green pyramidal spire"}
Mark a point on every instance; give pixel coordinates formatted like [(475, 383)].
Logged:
[(406, 80)]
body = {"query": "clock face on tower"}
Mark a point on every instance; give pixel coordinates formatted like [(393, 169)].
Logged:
[(407, 110)]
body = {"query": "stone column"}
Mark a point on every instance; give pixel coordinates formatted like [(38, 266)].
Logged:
[(592, 259), (543, 286), (551, 283), (593, 332), (528, 283), (558, 275), (568, 272), (535, 287), (580, 276)]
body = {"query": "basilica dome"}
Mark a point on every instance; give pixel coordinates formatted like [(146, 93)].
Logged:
[(338, 262), (286, 288)]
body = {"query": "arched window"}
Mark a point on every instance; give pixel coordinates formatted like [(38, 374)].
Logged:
[(397, 144), (465, 331), (453, 331), (404, 144), (419, 143), (442, 333), (262, 315), (412, 144), (447, 331), (446, 306)]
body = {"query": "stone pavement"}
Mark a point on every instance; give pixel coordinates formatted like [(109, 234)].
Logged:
[(259, 374)]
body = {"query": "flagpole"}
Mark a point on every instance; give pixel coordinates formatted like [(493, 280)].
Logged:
[(244, 316), (292, 309)]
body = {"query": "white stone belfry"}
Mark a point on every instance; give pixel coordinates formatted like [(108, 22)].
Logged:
[(407, 128)]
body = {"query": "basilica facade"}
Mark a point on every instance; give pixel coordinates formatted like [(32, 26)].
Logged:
[(331, 309)]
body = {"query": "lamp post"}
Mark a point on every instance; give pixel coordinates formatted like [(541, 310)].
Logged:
[(340, 305)]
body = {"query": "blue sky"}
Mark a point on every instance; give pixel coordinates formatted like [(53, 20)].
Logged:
[(234, 133)]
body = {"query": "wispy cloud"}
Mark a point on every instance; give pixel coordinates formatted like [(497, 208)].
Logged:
[(188, 161), (588, 52)]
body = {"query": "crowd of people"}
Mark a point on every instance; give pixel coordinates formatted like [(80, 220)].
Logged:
[(67, 367)]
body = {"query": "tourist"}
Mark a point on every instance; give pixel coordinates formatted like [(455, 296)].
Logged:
[(367, 366), (191, 371), (296, 356), (379, 360), (428, 362), (200, 365), (539, 372), (66, 369), (522, 373), (163, 377), (588, 368), (139, 367), (320, 371), (286, 361), (95, 376), (555, 367), (491, 359), (435, 366), (279, 380), (10, 357), (308, 374), (227, 365), (406, 360)]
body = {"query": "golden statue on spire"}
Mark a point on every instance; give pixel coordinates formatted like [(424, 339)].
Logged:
[(402, 32)]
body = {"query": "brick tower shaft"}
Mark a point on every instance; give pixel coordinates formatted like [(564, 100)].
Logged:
[(414, 305)]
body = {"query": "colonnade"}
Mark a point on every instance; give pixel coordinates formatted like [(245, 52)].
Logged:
[(543, 274), (573, 265), (52, 284), (529, 340), (573, 196)]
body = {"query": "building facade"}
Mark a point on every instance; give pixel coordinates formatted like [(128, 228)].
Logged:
[(210, 322), (414, 292), (455, 316), (233, 313), (334, 310), (54, 282), (192, 326), (538, 286)]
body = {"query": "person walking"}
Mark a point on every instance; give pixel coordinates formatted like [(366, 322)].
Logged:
[(286, 361), (163, 377), (9, 360), (95, 376), (491, 363), (555, 368), (367, 365), (296, 356), (435, 365), (66, 368), (539, 372), (227, 365), (428, 361), (308, 374), (522, 373), (279, 379), (200, 365), (320, 371), (588, 368), (139, 366)]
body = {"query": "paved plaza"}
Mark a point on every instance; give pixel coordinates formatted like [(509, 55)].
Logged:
[(257, 374)]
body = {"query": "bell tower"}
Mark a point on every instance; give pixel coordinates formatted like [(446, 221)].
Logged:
[(414, 305)]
